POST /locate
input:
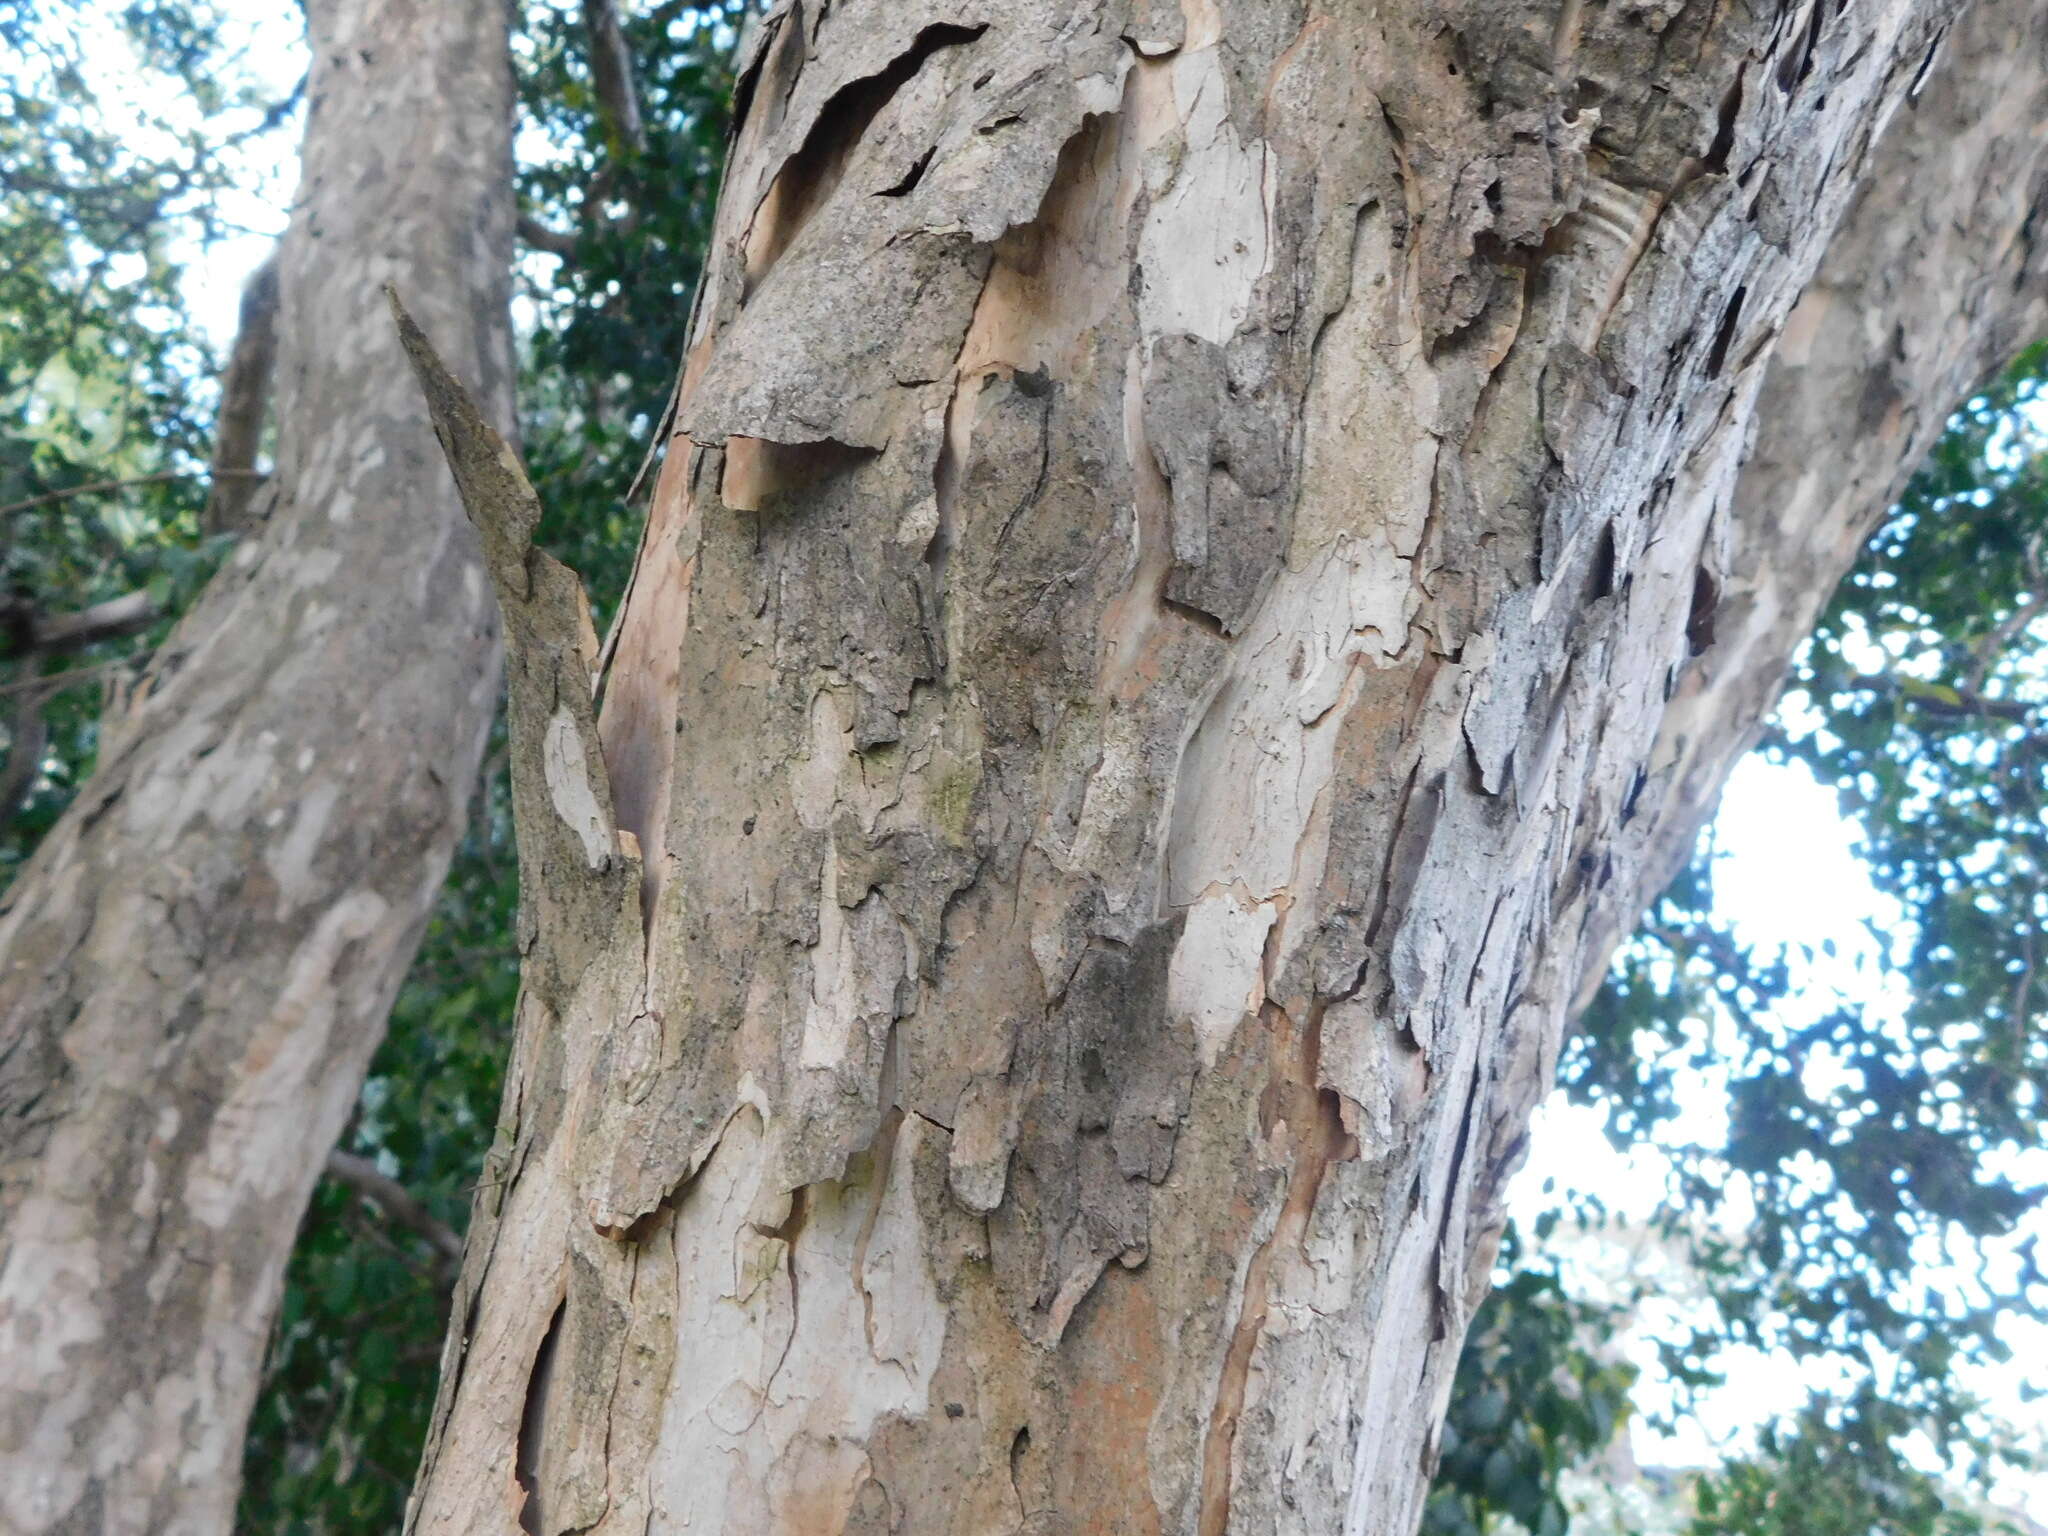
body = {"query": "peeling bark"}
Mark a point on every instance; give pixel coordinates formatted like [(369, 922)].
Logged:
[(1187, 529), (197, 964)]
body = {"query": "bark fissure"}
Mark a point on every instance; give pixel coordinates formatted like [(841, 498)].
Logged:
[(1309, 1114)]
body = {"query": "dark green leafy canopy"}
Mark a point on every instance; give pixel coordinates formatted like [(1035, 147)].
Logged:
[(609, 319), (1535, 1396)]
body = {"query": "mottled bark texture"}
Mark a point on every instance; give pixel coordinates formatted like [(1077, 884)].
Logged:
[(1200, 574), (197, 964)]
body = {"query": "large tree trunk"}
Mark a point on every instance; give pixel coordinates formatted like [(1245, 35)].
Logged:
[(1147, 692), (195, 968)]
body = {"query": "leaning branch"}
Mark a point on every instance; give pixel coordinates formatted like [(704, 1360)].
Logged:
[(618, 114), (611, 73), (391, 1197), (29, 633)]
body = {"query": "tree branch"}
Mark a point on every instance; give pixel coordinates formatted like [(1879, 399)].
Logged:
[(28, 736), (128, 614), (1943, 700), (100, 487), (541, 238), (391, 1197), (611, 72), (244, 403), (1992, 647), (618, 114)]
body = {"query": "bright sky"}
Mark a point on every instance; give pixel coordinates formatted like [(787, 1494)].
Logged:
[(1787, 875), (264, 46)]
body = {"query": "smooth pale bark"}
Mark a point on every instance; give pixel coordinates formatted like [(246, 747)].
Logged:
[(1175, 623), (196, 966)]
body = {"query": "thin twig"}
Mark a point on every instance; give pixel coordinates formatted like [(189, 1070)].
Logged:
[(364, 1177), (1944, 699), (57, 681), (2022, 991), (98, 487), (1993, 645), (553, 241)]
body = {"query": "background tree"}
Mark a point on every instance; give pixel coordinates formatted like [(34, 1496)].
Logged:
[(198, 959), (350, 1379)]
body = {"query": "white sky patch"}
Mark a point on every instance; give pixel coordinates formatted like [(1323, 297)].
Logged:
[(262, 46)]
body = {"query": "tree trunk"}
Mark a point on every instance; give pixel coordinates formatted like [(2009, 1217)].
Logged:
[(196, 966), (1149, 687)]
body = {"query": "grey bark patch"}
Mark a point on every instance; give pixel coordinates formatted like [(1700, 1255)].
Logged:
[(1221, 453)]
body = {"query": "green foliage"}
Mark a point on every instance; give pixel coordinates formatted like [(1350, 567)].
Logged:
[(1833, 1471), (1858, 1214), (1533, 1397), (1926, 675), (610, 321), (104, 193)]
